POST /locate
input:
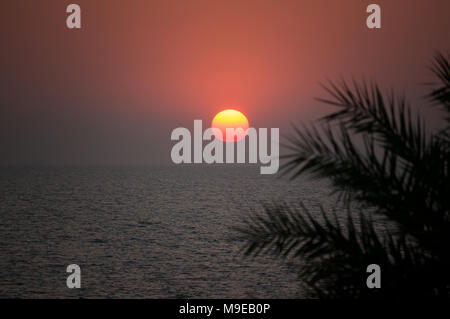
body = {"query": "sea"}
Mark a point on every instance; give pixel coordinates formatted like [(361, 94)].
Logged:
[(142, 232)]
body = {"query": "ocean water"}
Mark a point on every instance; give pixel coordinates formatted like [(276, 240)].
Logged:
[(162, 232)]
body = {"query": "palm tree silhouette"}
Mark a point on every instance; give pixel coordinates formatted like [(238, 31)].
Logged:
[(383, 162)]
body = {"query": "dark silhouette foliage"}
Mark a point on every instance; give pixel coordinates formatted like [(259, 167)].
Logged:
[(382, 162)]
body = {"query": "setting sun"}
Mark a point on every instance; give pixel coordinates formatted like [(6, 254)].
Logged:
[(230, 118)]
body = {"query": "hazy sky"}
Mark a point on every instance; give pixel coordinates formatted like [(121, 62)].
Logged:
[(112, 92)]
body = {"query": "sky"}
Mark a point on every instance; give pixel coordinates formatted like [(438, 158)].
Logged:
[(111, 92)]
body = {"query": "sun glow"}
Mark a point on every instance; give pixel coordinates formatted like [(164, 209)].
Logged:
[(230, 118)]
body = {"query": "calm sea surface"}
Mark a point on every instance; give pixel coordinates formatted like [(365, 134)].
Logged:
[(140, 232)]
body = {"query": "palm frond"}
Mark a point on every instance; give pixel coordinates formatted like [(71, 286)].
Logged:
[(334, 255), (378, 156), (440, 93), (409, 193), (364, 109)]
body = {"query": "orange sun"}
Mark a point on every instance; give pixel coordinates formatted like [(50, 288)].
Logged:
[(230, 118)]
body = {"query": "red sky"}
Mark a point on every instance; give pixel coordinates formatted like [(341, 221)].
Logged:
[(111, 92)]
